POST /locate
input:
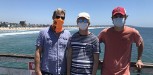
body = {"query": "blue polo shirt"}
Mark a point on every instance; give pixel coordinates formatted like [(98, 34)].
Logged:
[(53, 56)]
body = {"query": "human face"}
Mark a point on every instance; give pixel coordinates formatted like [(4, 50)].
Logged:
[(82, 23), (119, 21), (58, 22)]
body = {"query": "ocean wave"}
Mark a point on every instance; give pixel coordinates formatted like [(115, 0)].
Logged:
[(96, 27), (33, 32), (76, 28), (18, 33)]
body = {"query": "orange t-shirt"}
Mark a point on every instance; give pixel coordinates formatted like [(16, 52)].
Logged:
[(118, 49)]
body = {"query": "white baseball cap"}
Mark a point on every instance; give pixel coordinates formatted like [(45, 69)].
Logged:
[(85, 15)]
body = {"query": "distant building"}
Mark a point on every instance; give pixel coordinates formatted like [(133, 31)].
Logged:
[(4, 24), (14, 25), (0, 24), (23, 23)]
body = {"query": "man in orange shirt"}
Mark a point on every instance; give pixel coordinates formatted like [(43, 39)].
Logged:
[(118, 43)]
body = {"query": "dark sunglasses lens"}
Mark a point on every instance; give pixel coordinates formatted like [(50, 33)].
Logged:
[(57, 17), (80, 21), (62, 18), (85, 21)]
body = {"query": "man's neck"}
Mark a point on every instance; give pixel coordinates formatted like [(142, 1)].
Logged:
[(53, 29), (84, 32), (119, 28)]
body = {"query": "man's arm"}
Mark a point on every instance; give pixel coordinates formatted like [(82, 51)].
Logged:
[(37, 60), (69, 58), (95, 64), (139, 63)]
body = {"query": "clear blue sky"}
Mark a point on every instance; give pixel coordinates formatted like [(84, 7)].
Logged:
[(40, 11)]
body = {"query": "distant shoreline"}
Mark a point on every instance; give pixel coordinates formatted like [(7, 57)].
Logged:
[(33, 28), (21, 28)]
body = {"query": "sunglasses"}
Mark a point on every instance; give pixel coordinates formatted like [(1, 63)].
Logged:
[(82, 20), (62, 17)]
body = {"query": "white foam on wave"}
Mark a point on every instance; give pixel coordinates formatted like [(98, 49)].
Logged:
[(96, 27), (18, 33), (33, 32), (71, 28), (76, 28)]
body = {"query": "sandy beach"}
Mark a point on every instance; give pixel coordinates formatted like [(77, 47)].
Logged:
[(26, 28), (20, 28)]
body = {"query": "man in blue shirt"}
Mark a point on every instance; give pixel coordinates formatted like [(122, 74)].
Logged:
[(51, 45)]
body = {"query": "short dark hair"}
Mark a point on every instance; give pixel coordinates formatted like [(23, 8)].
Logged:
[(58, 10)]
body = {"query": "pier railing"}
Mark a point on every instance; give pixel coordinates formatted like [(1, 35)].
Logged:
[(146, 70)]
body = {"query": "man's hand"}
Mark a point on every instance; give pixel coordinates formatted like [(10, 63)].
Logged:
[(139, 64), (38, 73)]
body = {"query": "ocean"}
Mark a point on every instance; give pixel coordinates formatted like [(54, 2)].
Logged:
[(23, 42)]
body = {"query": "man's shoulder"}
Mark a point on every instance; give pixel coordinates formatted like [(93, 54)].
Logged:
[(75, 35), (128, 27), (107, 29), (67, 33), (93, 35), (131, 29), (44, 29)]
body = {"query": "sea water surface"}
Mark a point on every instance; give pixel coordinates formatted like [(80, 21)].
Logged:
[(23, 42)]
